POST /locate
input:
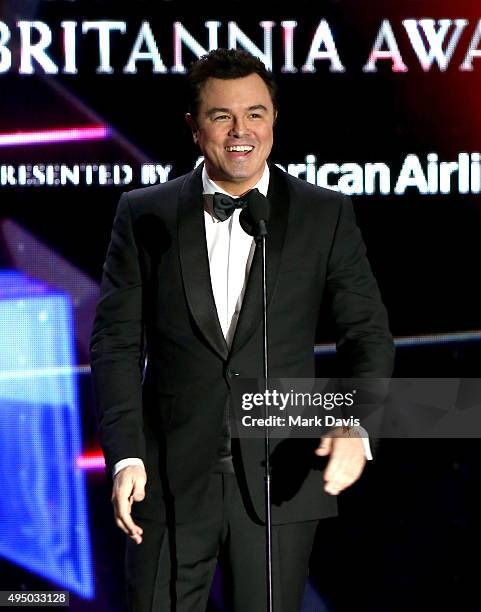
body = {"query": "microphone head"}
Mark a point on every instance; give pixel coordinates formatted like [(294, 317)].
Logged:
[(259, 206), (257, 210)]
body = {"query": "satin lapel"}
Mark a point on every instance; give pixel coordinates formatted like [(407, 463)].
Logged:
[(251, 312), (194, 262)]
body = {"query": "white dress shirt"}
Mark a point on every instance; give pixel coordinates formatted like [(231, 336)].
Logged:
[(230, 251)]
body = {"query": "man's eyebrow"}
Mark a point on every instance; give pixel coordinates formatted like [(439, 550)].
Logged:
[(221, 109), (257, 107), (217, 109)]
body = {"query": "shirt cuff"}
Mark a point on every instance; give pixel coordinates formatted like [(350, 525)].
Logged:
[(123, 463), (365, 441)]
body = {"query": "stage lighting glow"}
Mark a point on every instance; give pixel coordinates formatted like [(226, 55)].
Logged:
[(93, 461), (422, 339), (43, 515), (56, 135)]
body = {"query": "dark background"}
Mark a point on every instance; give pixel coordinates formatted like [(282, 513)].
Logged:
[(408, 532)]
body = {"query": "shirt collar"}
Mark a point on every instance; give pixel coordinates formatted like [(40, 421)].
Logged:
[(210, 187)]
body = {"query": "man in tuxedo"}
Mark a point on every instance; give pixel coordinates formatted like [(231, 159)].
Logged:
[(180, 317)]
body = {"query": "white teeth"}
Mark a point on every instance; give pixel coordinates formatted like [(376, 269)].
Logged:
[(240, 148)]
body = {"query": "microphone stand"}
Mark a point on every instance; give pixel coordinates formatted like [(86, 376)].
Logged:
[(254, 222), (261, 238)]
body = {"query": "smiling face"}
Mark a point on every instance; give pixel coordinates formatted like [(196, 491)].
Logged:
[(234, 130)]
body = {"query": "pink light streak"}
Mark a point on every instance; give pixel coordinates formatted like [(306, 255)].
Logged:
[(57, 135), (93, 461)]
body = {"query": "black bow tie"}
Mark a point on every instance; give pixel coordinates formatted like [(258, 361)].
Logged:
[(224, 205)]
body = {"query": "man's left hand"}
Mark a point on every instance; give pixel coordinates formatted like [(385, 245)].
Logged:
[(346, 462)]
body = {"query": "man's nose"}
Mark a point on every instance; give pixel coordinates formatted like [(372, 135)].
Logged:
[(239, 127)]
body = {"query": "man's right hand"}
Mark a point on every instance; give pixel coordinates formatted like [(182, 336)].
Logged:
[(129, 487)]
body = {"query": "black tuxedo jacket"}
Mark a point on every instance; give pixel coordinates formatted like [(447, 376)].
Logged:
[(157, 303)]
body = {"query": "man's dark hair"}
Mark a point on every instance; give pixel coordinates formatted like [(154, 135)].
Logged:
[(225, 64)]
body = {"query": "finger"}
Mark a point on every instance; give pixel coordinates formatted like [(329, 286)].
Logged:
[(138, 491), (347, 452), (343, 474), (136, 537), (341, 481), (129, 527), (122, 507), (126, 518), (338, 457), (333, 469), (336, 477), (335, 487), (325, 447), (344, 467)]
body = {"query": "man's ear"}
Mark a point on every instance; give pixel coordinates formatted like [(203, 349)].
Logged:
[(191, 122), (275, 117)]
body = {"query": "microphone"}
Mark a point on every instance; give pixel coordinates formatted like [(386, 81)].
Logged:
[(253, 220), (255, 216)]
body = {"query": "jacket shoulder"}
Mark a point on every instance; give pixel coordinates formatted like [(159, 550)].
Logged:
[(302, 189), (144, 197), (308, 198)]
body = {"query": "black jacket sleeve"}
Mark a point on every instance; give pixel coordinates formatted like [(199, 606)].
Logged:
[(364, 343), (117, 345)]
